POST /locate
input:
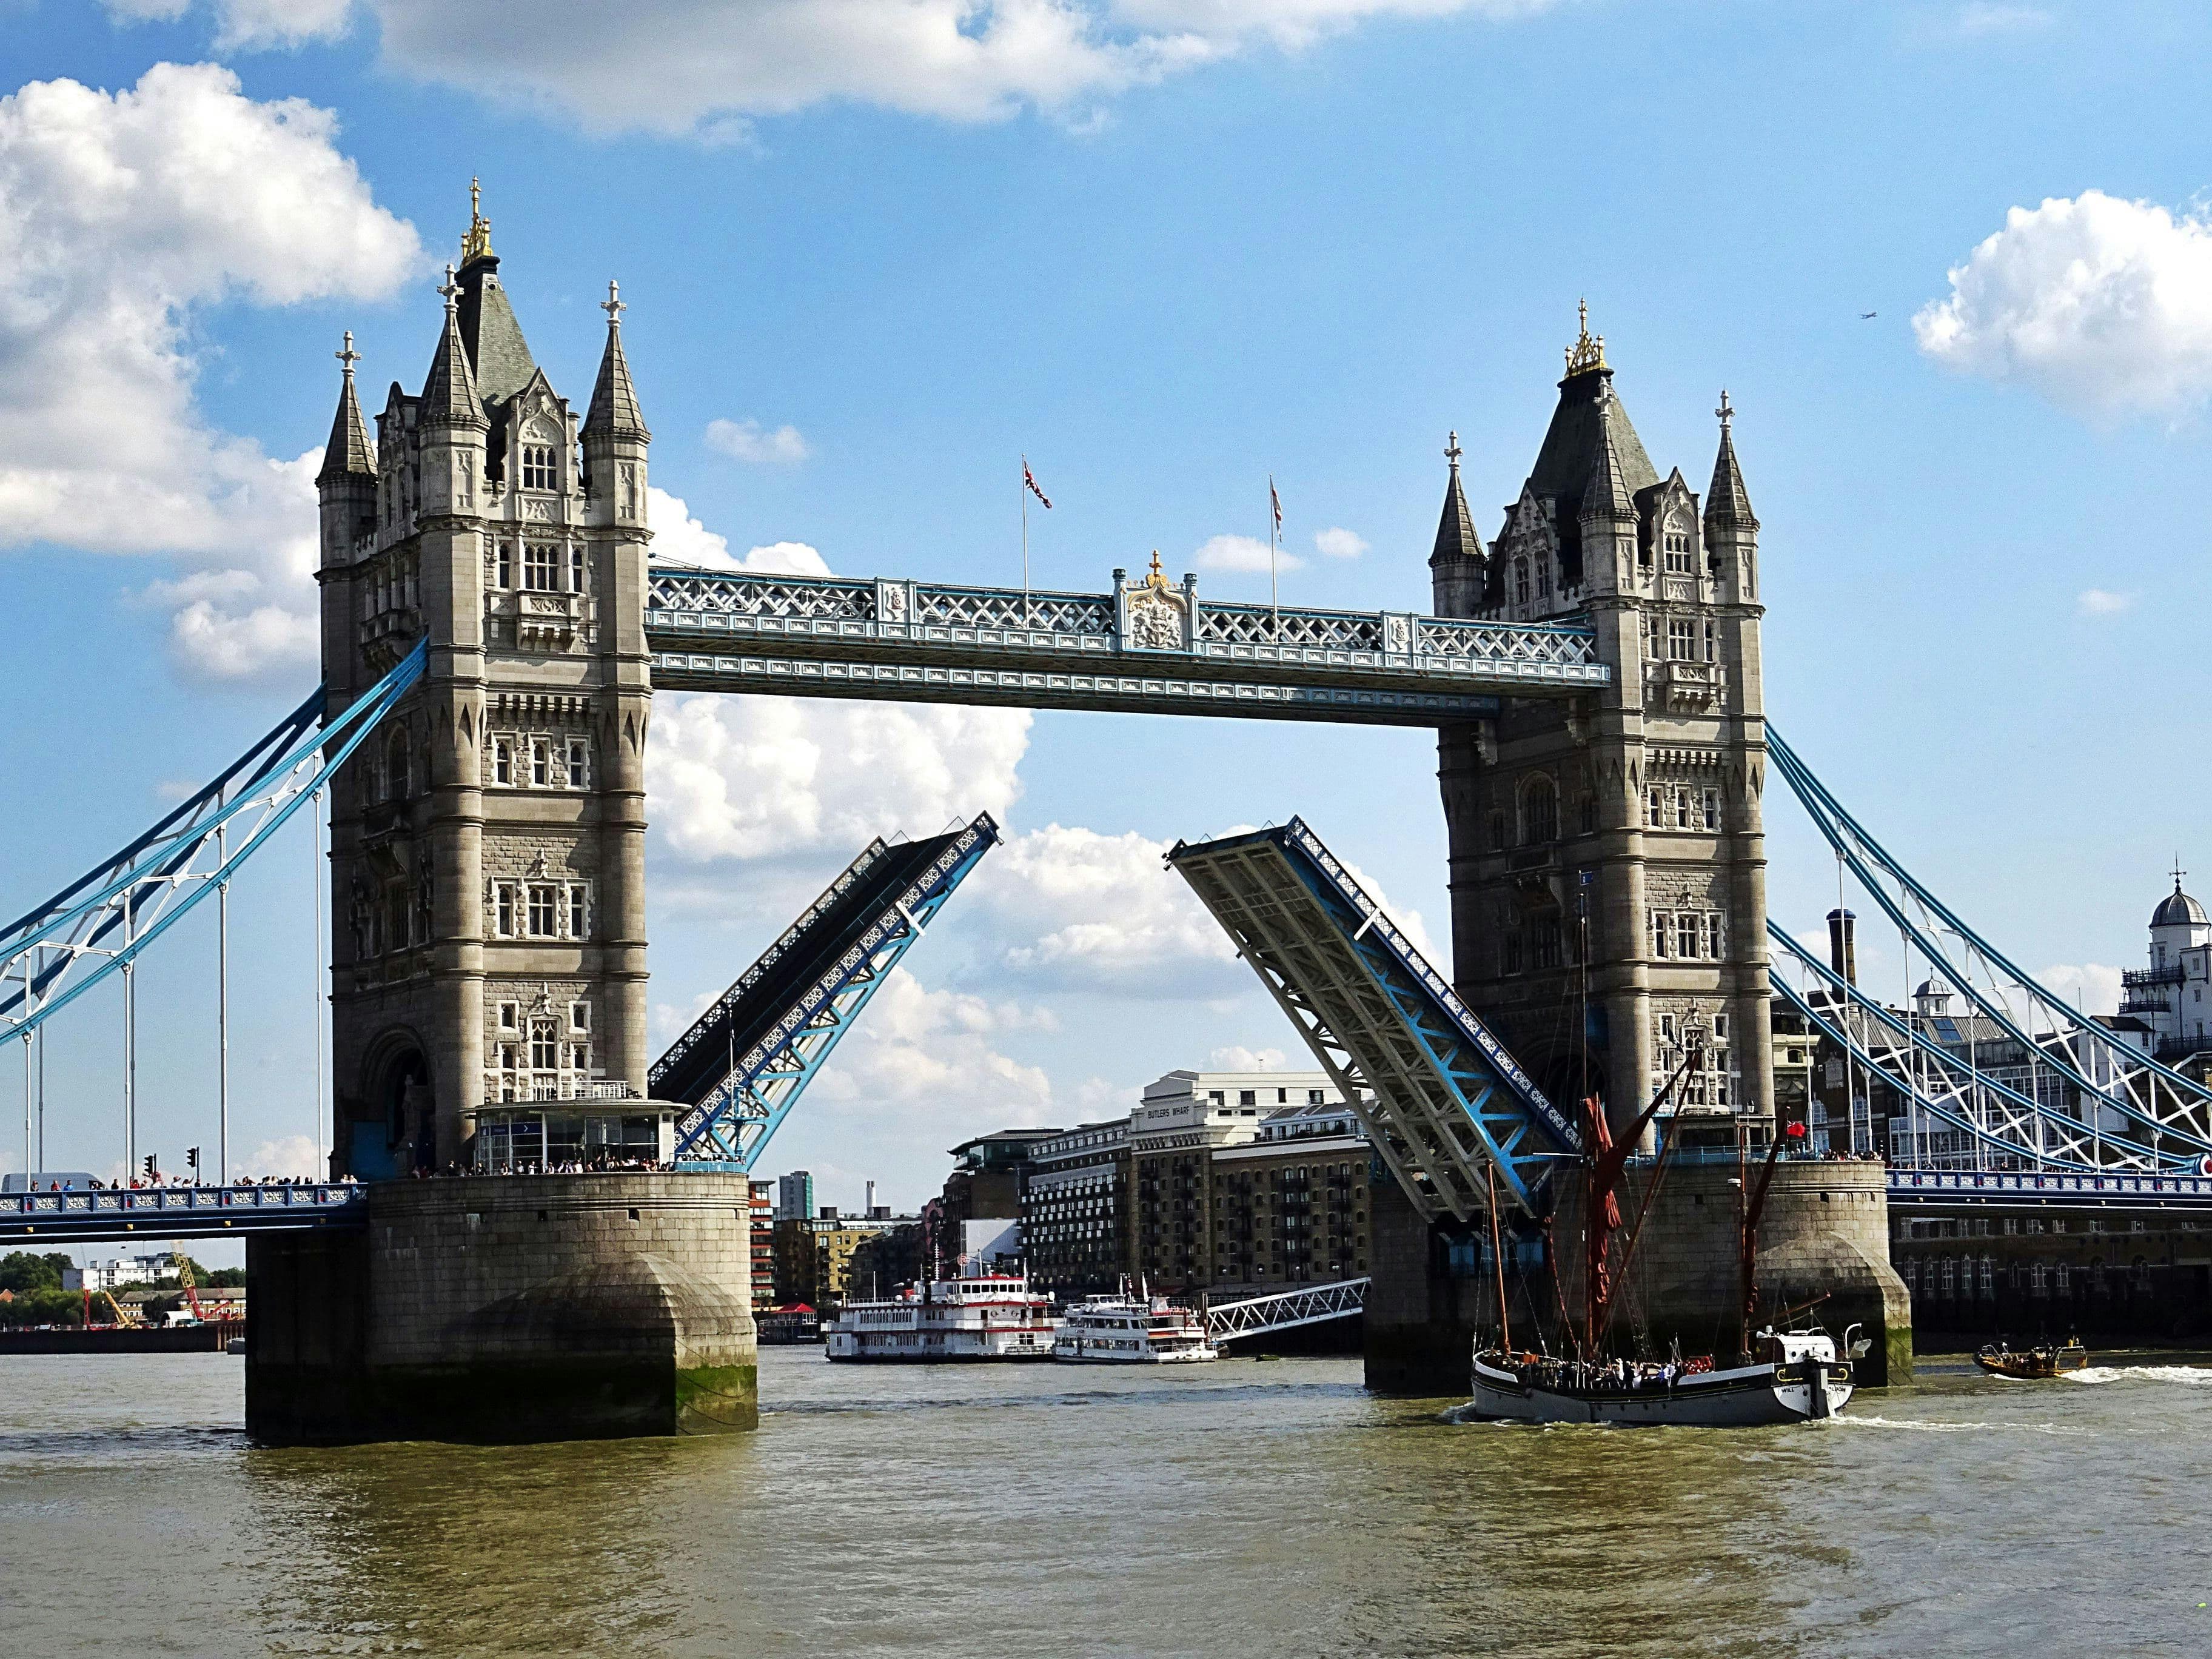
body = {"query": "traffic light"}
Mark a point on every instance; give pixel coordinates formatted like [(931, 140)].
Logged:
[(150, 1171), (192, 1159)]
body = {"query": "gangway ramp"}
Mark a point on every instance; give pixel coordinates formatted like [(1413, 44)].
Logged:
[(1284, 1311), (746, 1060), (1441, 1099)]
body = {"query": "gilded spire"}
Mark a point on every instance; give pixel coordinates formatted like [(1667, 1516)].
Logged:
[(1587, 354), (613, 411), (349, 452), (476, 245)]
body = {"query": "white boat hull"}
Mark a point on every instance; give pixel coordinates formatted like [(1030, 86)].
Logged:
[(1070, 1353), (1746, 1396)]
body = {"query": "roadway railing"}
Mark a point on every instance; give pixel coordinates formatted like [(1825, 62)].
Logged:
[(1993, 1186), (180, 1212)]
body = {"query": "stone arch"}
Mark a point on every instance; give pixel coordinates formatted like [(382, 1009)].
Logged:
[(395, 1129)]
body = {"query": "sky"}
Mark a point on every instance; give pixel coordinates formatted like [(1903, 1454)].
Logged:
[(877, 251)]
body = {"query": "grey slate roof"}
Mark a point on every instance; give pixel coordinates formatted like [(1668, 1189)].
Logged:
[(497, 351), (1588, 418), (614, 410), (1455, 536), (348, 450), (1727, 501)]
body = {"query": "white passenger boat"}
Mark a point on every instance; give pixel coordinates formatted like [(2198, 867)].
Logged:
[(1798, 1378), (1127, 1330), (994, 1316)]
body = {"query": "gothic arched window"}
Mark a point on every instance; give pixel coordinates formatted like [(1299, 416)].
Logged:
[(1539, 812), (399, 784), (1521, 582)]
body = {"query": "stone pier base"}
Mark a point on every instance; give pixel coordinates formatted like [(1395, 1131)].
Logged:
[(1824, 1235), (511, 1308)]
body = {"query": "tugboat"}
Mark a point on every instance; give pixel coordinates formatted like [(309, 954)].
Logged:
[(2043, 1360), (1792, 1375)]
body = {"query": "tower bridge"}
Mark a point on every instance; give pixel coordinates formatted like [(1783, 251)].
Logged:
[(493, 631)]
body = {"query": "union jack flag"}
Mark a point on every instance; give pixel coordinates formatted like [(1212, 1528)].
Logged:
[(1032, 484)]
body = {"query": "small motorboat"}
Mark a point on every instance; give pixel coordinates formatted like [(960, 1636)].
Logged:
[(2030, 1364)]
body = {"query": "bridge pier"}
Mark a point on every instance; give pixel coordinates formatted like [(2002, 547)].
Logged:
[(509, 1309), (1824, 1235)]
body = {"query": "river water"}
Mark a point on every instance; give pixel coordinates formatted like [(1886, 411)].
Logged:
[(1246, 1508)]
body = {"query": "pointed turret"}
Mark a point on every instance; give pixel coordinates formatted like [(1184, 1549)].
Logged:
[(614, 412), (346, 488), (1728, 503), (1457, 566), (1608, 493), (349, 452), (449, 394), (614, 434)]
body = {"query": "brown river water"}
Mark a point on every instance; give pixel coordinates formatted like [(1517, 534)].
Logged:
[(1246, 1508)]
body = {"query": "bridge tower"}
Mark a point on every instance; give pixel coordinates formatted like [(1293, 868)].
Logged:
[(487, 856), (1617, 836)]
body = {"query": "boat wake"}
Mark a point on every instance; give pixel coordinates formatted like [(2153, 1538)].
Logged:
[(1924, 1426), (2198, 1376)]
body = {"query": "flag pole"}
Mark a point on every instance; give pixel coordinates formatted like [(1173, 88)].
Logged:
[(1274, 535), (1025, 489)]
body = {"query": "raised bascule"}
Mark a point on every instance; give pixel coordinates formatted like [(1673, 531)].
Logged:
[(494, 627)]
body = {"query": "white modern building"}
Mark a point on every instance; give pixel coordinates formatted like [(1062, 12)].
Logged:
[(124, 1270)]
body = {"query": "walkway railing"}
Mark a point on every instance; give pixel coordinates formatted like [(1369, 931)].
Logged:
[(1149, 645), (1305, 1304)]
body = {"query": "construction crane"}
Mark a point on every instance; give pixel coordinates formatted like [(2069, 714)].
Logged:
[(123, 1321)]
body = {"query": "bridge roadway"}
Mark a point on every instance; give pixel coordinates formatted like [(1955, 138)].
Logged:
[(109, 1213), (1148, 646)]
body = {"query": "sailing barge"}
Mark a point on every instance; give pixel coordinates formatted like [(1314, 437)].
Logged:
[(1793, 1376)]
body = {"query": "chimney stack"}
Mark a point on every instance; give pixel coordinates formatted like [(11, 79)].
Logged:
[(872, 1199), (1843, 945)]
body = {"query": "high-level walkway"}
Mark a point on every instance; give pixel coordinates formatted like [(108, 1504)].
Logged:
[(1148, 647)]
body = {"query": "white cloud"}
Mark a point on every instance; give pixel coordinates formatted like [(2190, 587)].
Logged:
[(679, 538), (1340, 543), (1240, 553), (922, 1070), (1077, 910), (120, 214), (1985, 18), (2099, 602), (2101, 304), (766, 777), (248, 24), (1237, 1058), (749, 442), (682, 66), (285, 1157), (2092, 987)]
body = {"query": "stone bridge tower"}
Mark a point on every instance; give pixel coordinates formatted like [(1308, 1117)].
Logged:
[(1614, 843), (486, 858)]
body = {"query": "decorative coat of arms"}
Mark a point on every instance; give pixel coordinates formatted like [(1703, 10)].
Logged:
[(1156, 613)]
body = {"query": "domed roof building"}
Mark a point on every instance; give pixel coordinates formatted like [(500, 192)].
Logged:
[(2168, 996), (2177, 910)]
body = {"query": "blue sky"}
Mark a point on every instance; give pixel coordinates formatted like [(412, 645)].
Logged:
[(1165, 247)]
